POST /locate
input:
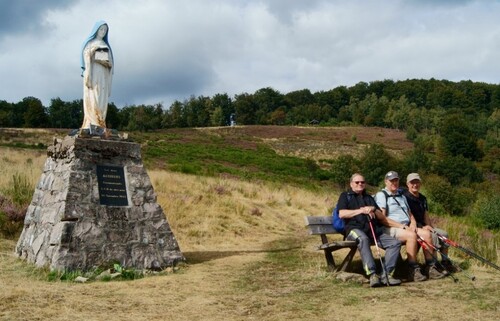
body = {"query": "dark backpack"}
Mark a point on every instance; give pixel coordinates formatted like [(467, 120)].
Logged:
[(337, 222)]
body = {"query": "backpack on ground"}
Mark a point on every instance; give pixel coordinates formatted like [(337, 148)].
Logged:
[(337, 222)]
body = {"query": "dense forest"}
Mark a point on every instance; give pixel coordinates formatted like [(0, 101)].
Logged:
[(415, 105)]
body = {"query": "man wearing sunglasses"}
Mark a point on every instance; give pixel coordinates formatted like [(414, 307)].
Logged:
[(359, 211)]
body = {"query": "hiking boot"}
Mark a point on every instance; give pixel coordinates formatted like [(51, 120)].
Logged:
[(374, 280), (434, 274), (392, 281), (448, 266), (416, 274), (441, 268)]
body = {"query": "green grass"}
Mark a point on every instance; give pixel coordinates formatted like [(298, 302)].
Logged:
[(94, 275), (212, 156), (20, 190)]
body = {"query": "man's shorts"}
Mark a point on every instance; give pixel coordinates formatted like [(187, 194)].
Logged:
[(435, 239), (393, 231)]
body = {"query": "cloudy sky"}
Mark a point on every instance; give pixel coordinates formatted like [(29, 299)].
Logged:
[(171, 49)]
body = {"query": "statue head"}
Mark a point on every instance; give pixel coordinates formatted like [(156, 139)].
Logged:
[(100, 30)]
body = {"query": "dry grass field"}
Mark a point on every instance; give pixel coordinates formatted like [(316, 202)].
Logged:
[(28, 162), (30, 136), (248, 257)]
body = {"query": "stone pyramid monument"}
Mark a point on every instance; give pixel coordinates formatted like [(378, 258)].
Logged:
[(95, 205)]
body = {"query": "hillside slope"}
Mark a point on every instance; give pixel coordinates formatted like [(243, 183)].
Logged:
[(248, 258)]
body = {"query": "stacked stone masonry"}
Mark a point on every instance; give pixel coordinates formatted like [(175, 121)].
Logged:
[(66, 226)]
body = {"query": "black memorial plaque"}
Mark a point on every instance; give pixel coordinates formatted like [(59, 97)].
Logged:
[(112, 187)]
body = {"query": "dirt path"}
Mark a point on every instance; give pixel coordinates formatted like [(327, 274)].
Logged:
[(209, 289), (199, 291)]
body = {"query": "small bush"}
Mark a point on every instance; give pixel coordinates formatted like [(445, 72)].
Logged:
[(99, 274), (458, 170), (426, 142), (463, 200), (127, 274), (186, 169), (411, 133), (487, 211), (439, 192), (444, 198), (342, 169), (56, 275), (416, 160), (375, 163)]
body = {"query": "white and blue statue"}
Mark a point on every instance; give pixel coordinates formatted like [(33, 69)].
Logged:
[(97, 71)]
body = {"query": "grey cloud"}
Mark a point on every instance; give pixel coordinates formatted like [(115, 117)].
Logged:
[(18, 16), (284, 10), (441, 3), (178, 81)]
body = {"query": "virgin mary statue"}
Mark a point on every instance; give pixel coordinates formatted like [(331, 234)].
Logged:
[(97, 65)]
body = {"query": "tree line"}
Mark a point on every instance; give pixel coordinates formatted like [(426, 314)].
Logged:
[(411, 104), (454, 118), (454, 125)]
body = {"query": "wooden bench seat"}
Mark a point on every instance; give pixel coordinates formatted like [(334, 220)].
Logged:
[(322, 225)]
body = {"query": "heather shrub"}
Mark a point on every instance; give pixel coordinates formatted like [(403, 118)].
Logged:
[(11, 218), (14, 201)]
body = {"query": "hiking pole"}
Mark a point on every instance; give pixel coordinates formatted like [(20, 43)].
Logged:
[(384, 270), (435, 248), (425, 246), (467, 274), (466, 250), (472, 277)]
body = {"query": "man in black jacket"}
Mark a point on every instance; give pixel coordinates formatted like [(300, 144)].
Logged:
[(420, 210), (358, 209)]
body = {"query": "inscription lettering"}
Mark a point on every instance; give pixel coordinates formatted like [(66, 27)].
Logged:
[(112, 186)]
